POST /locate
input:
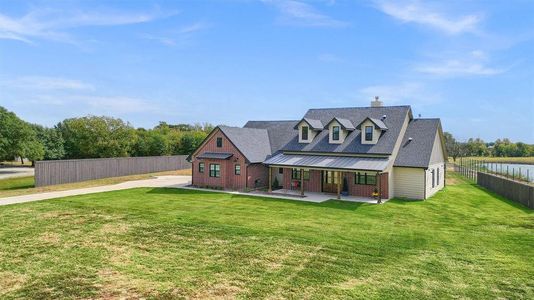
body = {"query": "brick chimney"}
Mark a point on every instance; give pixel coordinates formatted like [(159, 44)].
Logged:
[(376, 102)]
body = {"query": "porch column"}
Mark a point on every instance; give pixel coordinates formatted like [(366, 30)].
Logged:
[(378, 175), (338, 184), (302, 182), (270, 190)]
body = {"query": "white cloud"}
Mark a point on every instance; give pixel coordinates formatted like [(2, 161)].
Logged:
[(51, 24), (178, 37), (415, 12), (473, 64), (302, 14), (96, 104), (405, 93), (45, 83)]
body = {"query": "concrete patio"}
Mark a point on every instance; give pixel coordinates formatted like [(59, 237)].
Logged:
[(317, 197)]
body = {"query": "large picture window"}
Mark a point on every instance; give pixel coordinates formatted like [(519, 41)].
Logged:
[(368, 133), (335, 133), (305, 133), (219, 142), (295, 174), (215, 170), (364, 178), (201, 167)]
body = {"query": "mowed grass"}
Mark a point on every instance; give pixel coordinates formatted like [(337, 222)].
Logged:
[(176, 243), (26, 185)]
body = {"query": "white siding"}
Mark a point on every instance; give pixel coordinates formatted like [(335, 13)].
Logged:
[(439, 167), (390, 169), (311, 133), (376, 133), (342, 133), (409, 182)]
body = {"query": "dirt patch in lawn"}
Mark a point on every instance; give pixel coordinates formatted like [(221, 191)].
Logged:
[(50, 238), (10, 282)]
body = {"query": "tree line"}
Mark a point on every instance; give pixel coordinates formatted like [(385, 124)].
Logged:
[(477, 147), (94, 137)]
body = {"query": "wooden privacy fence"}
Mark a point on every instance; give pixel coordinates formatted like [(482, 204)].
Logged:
[(513, 190), (66, 171)]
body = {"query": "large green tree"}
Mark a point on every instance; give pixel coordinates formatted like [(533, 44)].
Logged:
[(17, 139), (51, 140), (96, 137)]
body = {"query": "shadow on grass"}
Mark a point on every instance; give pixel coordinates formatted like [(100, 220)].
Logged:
[(335, 204), (504, 199)]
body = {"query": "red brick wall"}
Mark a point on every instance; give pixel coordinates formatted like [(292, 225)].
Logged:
[(363, 190), (228, 179), (257, 172)]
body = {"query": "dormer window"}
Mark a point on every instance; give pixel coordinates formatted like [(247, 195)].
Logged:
[(371, 129), (339, 129), (304, 133), (335, 133), (368, 133), (308, 129)]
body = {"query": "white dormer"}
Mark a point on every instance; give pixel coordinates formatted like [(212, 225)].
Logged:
[(338, 129), (308, 129), (371, 130)]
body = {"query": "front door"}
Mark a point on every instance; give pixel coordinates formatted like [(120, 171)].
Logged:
[(330, 179)]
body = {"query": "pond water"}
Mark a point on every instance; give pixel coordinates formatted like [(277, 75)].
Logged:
[(523, 169)]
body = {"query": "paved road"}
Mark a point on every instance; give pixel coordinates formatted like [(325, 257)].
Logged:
[(160, 181), (15, 172)]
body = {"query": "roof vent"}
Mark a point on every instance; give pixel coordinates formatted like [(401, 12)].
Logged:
[(410, 139), (383, 117), (376, 102)]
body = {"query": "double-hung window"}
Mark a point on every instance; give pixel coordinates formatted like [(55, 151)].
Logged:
[(201, 167), (215, 170), (335, 133), (237, 170), (304, 134), (368, 133)]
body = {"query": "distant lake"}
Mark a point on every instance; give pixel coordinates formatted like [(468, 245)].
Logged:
[(515, 168)]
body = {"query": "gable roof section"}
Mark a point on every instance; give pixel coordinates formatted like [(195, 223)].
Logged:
[(416, 153), (314, 124), (252, 142), (345, 124), (280, 132), (379, 124), (396, 116)]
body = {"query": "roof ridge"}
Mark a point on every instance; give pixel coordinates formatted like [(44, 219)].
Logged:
[(359, 107), (273, 121)]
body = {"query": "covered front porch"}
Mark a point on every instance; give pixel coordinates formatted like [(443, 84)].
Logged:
[(329, 176)]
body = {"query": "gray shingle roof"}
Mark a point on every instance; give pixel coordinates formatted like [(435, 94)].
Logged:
[(394, 120), (417, 152), (253, 143), (280, 132), (346, 124), (314, 124)]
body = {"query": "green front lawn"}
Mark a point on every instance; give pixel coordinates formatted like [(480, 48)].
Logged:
[(173, 243)]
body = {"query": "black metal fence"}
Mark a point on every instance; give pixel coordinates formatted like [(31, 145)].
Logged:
[(52, 172)]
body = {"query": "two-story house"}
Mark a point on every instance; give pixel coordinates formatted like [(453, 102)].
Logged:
[(361, 151)]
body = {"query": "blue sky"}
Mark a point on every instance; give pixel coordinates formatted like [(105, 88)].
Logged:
[(471, 63)]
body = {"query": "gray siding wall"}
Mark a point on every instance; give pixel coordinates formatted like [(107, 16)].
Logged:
[(513, 190), (67, 171)]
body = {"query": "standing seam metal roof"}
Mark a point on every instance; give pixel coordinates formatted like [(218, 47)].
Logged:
[(334, 162)]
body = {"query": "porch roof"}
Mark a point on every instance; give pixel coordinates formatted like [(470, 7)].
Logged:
[(215, 155), (328, 162)]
